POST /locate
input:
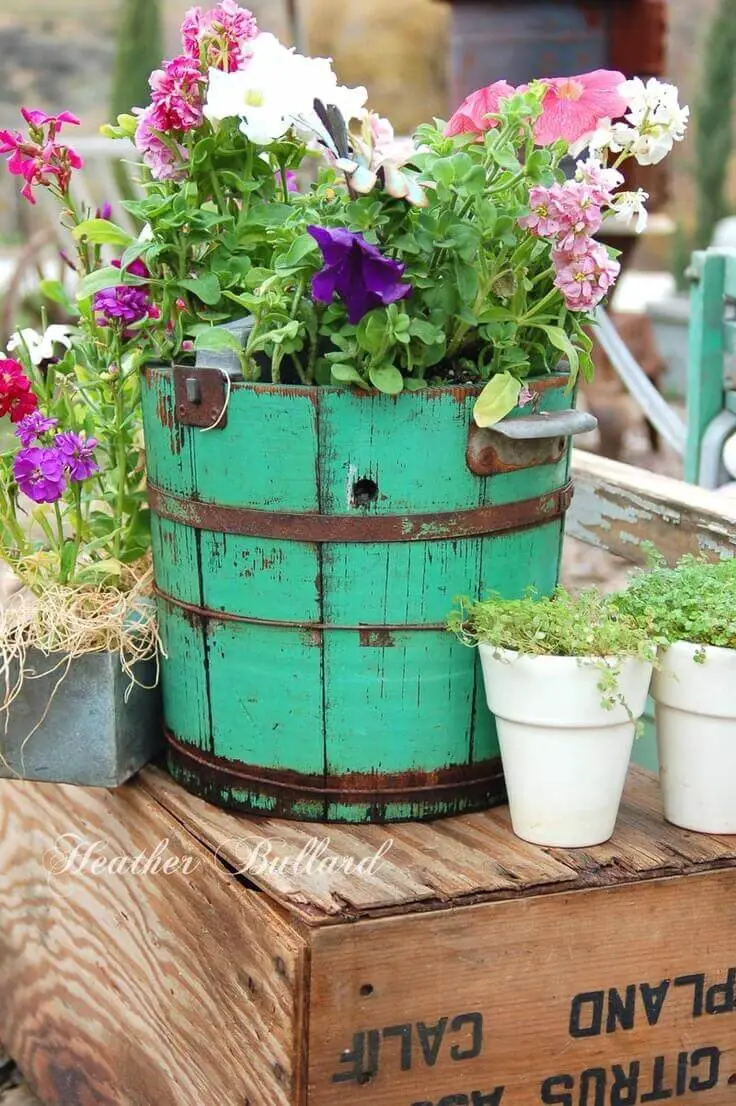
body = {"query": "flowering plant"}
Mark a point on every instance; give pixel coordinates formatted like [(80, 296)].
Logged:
[(72, 490), (461, 255)]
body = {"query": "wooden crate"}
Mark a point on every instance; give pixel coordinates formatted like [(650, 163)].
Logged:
[(459, 967)]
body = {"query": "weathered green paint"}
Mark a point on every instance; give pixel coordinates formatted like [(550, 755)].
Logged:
[(705, 378), (333, 701)]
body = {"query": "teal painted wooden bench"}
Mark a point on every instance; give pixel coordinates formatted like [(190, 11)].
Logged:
[(711, 382)]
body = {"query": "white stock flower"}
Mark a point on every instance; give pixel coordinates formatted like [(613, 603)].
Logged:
[(651, 126), (40, 347), (276, 91), (632, 205)]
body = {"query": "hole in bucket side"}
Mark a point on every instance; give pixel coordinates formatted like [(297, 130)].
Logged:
[(365, 492)]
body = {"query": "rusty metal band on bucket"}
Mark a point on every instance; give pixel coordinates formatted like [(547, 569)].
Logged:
[(289, 787), (313, 527), (371, 631)]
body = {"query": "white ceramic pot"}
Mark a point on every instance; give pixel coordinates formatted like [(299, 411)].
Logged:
[(696, 734), (564, 755)]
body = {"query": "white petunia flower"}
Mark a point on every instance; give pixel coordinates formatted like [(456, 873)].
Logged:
[(40, 347), (275, 92), (632, 205)]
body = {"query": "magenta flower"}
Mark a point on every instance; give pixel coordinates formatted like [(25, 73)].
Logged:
[(104, 212), (39, 119), (77, 454), (573, 107), (16, 397), (39, 158), (357, 271), (216, 39), (136, 267), (176, 95), (585, 278), (33, 426), (163, 162), (472, 115), (124, 304), (39, 473)]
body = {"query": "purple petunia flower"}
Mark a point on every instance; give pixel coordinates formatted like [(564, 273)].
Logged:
[(77, 454), (362, 277), (39, 473), (33, 426), (128, 304)]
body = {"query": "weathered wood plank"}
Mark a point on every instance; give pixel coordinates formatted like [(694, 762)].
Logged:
[(122, 989), (617, 507), (513, 1002), (469, 858)]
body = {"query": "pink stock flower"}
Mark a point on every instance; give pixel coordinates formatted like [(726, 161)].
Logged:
[(585, 278), (157, 154), (470, 117), (547, 217), (573, 107), (215, 39), (583, 217), (39, 159), (567, 212), (176, 95), (601, 181)]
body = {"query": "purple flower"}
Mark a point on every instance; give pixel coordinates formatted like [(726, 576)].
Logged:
[(77, 454), (39, 473), (128, 304), (362, 277), (33, 426), (104, 212)]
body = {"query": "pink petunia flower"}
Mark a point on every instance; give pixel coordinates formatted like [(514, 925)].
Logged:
[(471, 116), (572, 107), (585, 278), (176, 95), (216, 38)]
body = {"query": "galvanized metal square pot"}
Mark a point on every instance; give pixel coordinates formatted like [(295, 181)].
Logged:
[(90, 735)]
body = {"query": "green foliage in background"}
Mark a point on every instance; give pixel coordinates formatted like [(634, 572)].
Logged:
[(139, 51), (714, 122)]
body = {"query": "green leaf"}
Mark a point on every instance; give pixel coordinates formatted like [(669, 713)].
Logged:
[(55, 291), (387, 378), (100, 279), (215, 338), (347, 374), (206, 288), (499, 396), (560, 340), (298, 250), (102, 232)]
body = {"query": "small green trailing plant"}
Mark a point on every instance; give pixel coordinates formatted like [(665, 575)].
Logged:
[(587, 625), (693, 601)]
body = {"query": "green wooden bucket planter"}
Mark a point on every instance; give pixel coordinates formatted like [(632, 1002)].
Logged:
[(307, 551)]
